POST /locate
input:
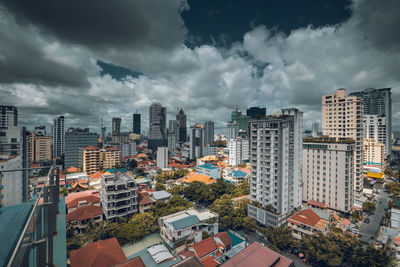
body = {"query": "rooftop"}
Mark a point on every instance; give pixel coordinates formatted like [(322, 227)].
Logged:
[(205, 247), (84, 213), (238, 174), (185, 222), (159, 195), (199, 178), (328, 140), (208, 166)]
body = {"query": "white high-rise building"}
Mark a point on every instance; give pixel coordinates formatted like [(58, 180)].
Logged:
[(162, 157), (374, 152), (375, 128), (58, 137), (328, 172), (275, 160), (196, 141), (238, 151), (233, 130)]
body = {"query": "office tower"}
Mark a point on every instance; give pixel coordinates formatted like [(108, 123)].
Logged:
[(39, 147), (342, 117), (315, 129), (157, 126), (116, 126), (256, 112), (136, 128), (173, 134), (374, 152), (275, 161), (58, 135), (162, 157), (181, 118), (238, 151), (40, 130), (91, 159), (76, 139), (375, 128), (118, 195), (8, 116), (233, 130), (208, 132), (379, 102), (128, 149), (196, 141), (328, 172)]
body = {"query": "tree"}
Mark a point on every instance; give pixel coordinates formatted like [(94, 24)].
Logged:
[(368, 206), (177, 190), (160, 186), (249, 224)]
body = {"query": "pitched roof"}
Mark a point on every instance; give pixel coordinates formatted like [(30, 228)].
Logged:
[(307, 217), (90, 199), (144, 198), (225, 238), (258, 255), (135, 262), (102, 253), (209, 261), (84, 213), (205, 247), (72, 169), (189, 262), (185, 222), (72, 196), (199, 178), (317, 203), (96, 175)]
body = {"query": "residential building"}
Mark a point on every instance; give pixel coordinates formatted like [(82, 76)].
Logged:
[(256, 112), (162, 195), (237, 177), (162, 157), (195, 177), (208, 132), (210, 150), (137, 126), (196, 141), (374, 152), (146, 202), (315, 129), (76, 139), (173, 135), (81, 216), (181, 118), (342, 117), (128, 149), (310, 221), (379, 102), (209, 170), (80, 199), (118, 195), (275, 161), (375, 127), (233, 130), (39, 148), (185, 227), (256, 254), (116, 126), (8, 116), (328, 172), (238, 151), (157, 126), (241, 119), (91, 159), (58, 135), (110, 157)]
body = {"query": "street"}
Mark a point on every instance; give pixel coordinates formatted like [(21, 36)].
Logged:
[(371, 229)]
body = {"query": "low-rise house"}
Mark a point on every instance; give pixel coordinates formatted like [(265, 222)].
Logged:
[(79, 199), (237, 177), (146, 202), (160, 195), (187, 227), (309, 221), (74, 177), (81, 216), (195, 177), (210, 170)]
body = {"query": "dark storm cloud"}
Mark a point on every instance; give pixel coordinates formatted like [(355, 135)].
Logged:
[(105, 24)]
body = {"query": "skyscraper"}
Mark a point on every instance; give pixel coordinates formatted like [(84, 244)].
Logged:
[(256, 112), (375, 127), (233, 130), (136, 128), (275, 161), (162, 157), (173, 134), (157, 126), (208, 132), (76, 140), (58, 137), (342, 117), (196, 141), (8, 116), (379, 102), (116, 126), (181, 118), (315, 129)]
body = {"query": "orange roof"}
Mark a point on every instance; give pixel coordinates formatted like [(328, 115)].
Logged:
[(84, 213), (144, 198), (72, 169), (205, 247), (76, 184), (90, 199), (142, 155), (209, 261), (96, 175), (72, 196), (307, 217), (102, 253), (135, 262), (91, 148), (317, 204), (110, 148), (397, 240), (199, 178)]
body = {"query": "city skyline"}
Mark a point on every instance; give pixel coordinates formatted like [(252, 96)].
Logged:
[(264, 62)]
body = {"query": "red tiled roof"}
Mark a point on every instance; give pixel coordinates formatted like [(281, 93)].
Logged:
[(110, 148), (144, 198), (91, 148), (258, 255), (205, 247), (102, 253), (316, 203), (90, 199), (209, 261), (72, 169), (187, 254), (135, 262), (84, 213), (96, 175), (225, 238), (307, 217)]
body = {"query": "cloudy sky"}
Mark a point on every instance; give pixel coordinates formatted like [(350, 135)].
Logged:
[(97, 59)]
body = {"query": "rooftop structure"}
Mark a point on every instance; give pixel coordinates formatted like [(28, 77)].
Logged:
[(309, 221), (210, 170)]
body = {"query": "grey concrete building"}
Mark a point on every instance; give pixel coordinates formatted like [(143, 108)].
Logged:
[(76, 139)]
